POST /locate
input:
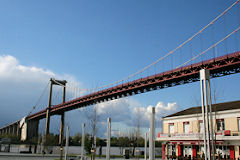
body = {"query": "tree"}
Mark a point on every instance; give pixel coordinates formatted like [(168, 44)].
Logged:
[(76, 140), (138, 131), (93, 119), (51, 140), (88, 143), (14, 139), (133, 139), (100, 143), (136, 135)]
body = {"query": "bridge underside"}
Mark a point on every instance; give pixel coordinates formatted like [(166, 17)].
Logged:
[(221, 66), (11, 129), (23, 129)]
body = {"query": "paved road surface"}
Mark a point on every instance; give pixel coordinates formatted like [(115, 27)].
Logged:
[(17, 156)]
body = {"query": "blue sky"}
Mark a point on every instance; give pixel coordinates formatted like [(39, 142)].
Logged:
[(98, 42)]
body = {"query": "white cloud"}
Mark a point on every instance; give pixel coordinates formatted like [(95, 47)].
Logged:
[(160, 109), (129, 111), (21, 86), (10, 69), (125, 114), (163, 110), (118, 110)]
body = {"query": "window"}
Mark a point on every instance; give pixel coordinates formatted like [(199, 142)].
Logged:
[(171, 128), (201, 127), (186, 127), (239, 125), (220, 125)]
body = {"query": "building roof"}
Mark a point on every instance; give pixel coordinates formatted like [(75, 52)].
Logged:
[(215, 107)]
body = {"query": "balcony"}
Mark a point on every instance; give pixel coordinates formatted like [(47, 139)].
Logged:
[(180, 136), (223, 135)]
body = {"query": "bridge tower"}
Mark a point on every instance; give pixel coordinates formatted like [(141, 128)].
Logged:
[(47, 124)]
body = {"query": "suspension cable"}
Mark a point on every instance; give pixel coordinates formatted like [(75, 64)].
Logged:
[(171, 52), (166, 55), (38, 101), (57, 94), (214, 45)]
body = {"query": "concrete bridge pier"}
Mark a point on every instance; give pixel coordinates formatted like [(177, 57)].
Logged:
[(11, 129), (16, 129), (15, 126), (2, 131), (29, 129)]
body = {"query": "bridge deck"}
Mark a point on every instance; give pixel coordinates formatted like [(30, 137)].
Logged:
[(221, 66)]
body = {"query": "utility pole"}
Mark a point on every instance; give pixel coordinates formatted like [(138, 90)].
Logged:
[(83, 140), (207, 113), (211, 118), (67, 143), (203, 117), (108, 138), (152, 135), (145, 153)]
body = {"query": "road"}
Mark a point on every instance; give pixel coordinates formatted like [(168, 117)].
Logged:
[(17, 156)]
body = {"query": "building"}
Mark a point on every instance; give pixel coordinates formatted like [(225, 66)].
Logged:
[(182, 134)]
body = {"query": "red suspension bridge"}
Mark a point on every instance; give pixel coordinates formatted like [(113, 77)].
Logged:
[(185, 72), (221, 66)]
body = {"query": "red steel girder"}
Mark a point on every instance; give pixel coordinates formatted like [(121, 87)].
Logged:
[(221, 66)]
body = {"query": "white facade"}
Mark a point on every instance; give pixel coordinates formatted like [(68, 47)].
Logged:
[(182, 135)]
